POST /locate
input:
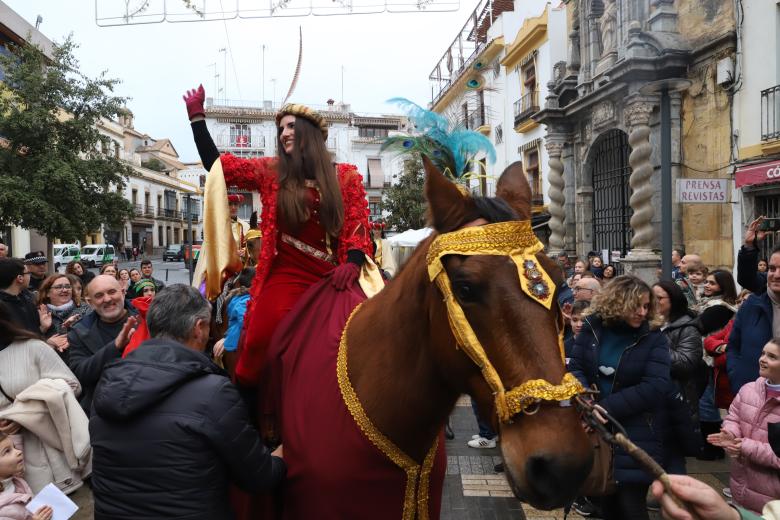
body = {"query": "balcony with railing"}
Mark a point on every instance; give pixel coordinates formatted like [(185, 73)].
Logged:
[(143, 211), (770, 114), (469, 43), (170, 213), (525, 107), (248, 142), (476, 119)]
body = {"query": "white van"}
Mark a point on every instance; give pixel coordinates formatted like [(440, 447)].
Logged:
[(97, 254), (65, 253)]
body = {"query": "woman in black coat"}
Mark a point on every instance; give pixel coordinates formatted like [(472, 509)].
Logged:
[(621, 352), (685, 343)]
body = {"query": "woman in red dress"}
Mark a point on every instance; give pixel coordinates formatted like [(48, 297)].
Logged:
[(314, 220)]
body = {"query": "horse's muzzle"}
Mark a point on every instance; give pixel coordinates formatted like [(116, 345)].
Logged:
[(551, 480)]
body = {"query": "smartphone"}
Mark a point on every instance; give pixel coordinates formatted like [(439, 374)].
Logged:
[(769, 224)]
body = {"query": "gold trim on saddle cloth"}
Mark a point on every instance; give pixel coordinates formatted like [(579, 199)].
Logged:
[(303, 247), (417, 485), (516, 240)]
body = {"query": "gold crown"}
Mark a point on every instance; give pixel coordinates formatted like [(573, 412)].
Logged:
[(305, 112)]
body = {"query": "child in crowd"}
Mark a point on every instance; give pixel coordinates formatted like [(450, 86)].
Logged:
[(755, 479), (15, 493), (597, 267), (696, 278), (227, 347), (576, 319)]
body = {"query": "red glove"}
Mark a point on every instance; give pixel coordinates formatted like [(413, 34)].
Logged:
[(344, 275), (194, 100)]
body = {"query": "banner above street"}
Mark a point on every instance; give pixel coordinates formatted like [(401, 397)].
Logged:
[(109, 13)]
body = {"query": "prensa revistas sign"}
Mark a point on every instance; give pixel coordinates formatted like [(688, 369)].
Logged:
[(702, 191)]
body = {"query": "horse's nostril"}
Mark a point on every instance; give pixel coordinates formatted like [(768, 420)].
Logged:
[(552, 476)]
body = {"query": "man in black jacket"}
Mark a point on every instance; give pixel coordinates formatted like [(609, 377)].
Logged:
[(169, 430), (18, 303), (100, 336)]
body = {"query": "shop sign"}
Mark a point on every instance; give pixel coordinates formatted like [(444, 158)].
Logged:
[(758, 174), (702, 191)]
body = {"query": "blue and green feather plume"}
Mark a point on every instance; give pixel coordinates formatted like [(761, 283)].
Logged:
[(451, 148)]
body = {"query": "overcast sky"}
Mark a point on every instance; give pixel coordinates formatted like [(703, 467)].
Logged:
[(383, 56)]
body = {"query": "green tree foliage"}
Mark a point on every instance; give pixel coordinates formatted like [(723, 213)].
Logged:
[(405, 200), (54, 179)]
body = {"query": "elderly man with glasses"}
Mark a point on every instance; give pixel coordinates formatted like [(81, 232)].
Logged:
[(101, 336), (585, 289)]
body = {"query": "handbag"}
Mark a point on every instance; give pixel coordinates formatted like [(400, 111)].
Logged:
[(601, 480)]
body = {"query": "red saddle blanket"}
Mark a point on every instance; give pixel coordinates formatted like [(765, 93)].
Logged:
[(336, 469)]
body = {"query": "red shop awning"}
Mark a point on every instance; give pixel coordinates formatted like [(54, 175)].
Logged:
[(763, 173)]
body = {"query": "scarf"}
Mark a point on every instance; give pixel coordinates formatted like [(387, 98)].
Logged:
[(65, 307), (775, 299)]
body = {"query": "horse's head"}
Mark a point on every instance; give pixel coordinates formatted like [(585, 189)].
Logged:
[(503, 301)]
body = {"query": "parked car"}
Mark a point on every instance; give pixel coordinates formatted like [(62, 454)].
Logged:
[(98, 254), (64, 253), (174, 253)]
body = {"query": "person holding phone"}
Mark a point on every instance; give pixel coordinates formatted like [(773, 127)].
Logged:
[(749, 275)]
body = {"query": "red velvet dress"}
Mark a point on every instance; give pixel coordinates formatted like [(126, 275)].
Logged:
[(284, 272)]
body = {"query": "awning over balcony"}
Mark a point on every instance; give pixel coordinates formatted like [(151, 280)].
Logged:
[(762, 173), (376, 177)]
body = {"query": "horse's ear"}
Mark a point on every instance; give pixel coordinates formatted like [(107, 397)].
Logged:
[(513, 187), (445, 200)]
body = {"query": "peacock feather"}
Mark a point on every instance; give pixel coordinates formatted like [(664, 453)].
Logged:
[(451, 147)]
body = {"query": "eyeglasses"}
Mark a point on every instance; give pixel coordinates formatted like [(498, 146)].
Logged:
[(61, 287)]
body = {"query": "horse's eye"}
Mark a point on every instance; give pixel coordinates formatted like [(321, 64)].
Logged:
[(465, 292)]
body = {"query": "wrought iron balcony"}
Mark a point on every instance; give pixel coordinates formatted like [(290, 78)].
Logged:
[(139, 210), (526, 106), (770, 113)]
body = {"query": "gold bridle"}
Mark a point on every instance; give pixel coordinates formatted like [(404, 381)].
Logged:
[(516, 240)]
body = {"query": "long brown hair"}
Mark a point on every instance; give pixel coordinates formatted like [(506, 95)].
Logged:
[(10, 331), (310, 159)]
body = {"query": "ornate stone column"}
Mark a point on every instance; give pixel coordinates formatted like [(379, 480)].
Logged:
[(638, 119), (557, 205), (641, 261)]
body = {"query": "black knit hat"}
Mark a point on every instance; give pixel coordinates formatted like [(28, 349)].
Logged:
[(35, 257)]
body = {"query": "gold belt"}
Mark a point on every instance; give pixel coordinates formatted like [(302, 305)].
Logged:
[(309, 250)]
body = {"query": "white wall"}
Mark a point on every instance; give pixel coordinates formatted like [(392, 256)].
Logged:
[(759, 59)]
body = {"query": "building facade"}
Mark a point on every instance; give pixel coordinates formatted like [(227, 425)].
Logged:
[(603, 128), (492, 79), (245, 129), (757, 116), (157, 190)]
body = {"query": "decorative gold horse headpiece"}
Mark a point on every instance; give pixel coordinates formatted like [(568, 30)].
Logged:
[(516, 240)]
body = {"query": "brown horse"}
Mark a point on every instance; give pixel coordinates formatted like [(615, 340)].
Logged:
[(407, 371)]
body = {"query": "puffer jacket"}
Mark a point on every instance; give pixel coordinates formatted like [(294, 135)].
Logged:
[(688, 369), (752, 329), (169, 434), (755, 474), (639, 392)]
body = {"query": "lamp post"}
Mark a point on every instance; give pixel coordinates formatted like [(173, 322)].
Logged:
[(189, 238), (664, 87)]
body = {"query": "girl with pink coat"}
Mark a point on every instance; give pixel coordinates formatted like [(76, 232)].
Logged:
[(755, 469)]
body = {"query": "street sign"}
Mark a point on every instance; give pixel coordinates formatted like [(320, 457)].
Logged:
[(702, 191)]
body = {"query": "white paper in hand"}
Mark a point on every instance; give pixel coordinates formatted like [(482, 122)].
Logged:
[(51, 496)]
